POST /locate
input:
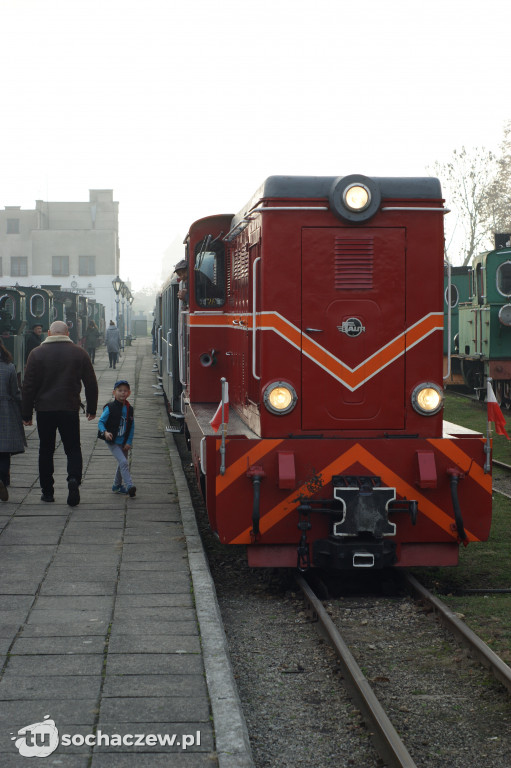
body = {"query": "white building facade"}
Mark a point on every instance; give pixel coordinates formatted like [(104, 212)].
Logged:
[(74, 246)]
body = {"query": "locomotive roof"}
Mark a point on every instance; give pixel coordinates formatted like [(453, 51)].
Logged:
[(402, 187)]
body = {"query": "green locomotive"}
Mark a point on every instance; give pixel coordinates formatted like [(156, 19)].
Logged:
[(484, 341)]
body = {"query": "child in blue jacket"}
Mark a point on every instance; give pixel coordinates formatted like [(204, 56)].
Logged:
[(116, 427)]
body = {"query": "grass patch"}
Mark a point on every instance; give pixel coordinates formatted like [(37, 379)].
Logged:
[(473, 415)]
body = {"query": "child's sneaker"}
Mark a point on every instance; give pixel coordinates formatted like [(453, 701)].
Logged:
[(119, 489), (132, 491)]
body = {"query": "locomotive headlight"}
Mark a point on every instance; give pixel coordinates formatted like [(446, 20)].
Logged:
[(357, 197), (505, 315), (280, 397), (427, 399)]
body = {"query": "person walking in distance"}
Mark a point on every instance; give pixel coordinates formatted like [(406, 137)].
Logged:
[(12, 435), (52, 384), (116, 426), (113, 343), (91, 339)]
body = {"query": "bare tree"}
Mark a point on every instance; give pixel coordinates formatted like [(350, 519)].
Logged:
[(499, 192), (466, 179)]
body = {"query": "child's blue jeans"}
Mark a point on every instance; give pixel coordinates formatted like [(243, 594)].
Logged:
[(122, 475)]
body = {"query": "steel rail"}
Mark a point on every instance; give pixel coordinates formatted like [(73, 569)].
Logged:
[(383, 734), (476, 646), (501, 465)]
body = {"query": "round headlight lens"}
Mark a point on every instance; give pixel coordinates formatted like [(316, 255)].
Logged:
[(505, 315), (427, 399), (357, 197), (280, 398)]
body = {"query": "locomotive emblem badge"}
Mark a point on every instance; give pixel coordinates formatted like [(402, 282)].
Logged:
[(351, 327)]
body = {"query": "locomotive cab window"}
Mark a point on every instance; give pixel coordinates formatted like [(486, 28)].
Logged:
[(504, 278), (209, 273), (455, 296)]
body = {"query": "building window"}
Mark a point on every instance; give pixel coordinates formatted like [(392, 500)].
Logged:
[(60, 265), (86, 265), (19, 266), (13, 226)]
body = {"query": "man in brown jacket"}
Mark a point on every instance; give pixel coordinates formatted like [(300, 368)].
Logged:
[(52, 384)]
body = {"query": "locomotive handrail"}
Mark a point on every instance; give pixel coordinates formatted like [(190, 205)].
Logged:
[(448, 320), (254, 313), (410, 208)]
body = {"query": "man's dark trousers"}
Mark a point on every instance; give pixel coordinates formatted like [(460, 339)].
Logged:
[(68, 425)]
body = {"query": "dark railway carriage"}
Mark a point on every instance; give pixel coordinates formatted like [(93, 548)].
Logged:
[(13, 322), (320, 303), (168, 318), (72, 309)]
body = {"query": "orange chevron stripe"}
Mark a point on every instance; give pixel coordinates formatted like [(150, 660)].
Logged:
[(240, 466), (352, 378), (451, 449), (356, 454)]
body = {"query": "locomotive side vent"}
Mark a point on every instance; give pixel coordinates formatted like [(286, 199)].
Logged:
[(353, 263)]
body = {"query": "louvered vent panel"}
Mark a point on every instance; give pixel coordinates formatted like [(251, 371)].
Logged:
[(353, 264)]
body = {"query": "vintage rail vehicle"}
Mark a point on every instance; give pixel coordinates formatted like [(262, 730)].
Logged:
[(320, 305), (22, 307), (482, 347), (459, 281)]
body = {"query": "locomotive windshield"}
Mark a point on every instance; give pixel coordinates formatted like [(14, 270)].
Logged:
[(504, 278), (209, 273)]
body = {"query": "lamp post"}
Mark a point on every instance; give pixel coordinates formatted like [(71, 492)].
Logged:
[(130, 312), (116, 284), (124, 293)]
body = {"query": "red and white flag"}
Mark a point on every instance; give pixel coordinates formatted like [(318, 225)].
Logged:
[(217, 418), (494, 412)]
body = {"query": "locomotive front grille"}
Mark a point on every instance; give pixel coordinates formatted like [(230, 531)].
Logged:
[(354, 263)]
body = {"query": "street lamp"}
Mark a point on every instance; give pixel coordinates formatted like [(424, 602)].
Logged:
[(116, 284), (130, 311), (124, 293)]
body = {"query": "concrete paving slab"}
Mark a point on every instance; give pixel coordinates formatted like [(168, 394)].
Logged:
[(79, 588), (83, 603), (133, 760), (14, 585), (181, 686), (149, 613), (42, 646), (56, 760), (15, 602), (65, 712), (24, 688), (60, 664), (158, 709), (159, 600), (143, 582), (154, 644), (69, 627), (153, 627), (154, 664)]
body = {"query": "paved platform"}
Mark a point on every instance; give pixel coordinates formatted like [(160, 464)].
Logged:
[(109, 624)]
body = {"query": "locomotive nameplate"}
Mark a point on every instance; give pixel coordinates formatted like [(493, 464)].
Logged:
[(351, 327)]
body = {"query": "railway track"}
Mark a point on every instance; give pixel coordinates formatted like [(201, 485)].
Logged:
[(384, 735)]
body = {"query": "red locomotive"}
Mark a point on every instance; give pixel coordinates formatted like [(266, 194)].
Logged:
[(320, 304)]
